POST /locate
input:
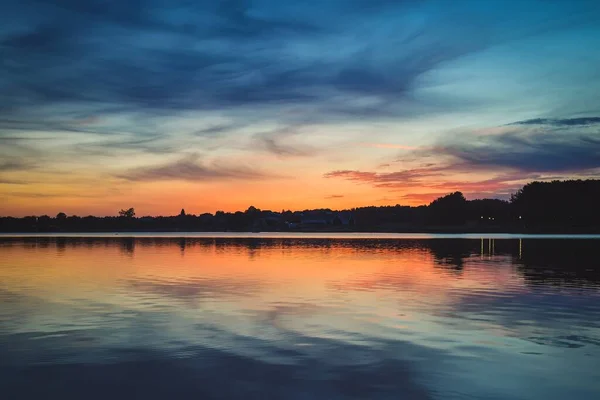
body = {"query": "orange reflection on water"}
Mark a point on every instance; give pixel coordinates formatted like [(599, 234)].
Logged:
[(471, 304), (255, 272)]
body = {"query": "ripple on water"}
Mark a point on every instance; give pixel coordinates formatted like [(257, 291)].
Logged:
[(296, 318)]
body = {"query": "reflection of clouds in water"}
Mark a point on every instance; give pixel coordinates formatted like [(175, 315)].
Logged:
[(277, 312), (197, 288), (197, 356), (488, 303), (542, 318), (335, 318), (16, 309), (209, 359), (208, 373)]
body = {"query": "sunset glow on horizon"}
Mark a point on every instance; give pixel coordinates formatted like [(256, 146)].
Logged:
[(221, 105)]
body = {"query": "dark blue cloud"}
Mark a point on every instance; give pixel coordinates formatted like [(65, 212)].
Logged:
[(132, 65), (215, 130), (166, 56), (538, 145), (544, 149), (560, 122)]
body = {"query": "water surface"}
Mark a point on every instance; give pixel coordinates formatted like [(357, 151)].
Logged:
[(419, 317)]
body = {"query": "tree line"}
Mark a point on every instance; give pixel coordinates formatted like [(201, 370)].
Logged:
[(558, 206)]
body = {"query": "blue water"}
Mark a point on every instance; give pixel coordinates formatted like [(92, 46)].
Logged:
[(299, 317)]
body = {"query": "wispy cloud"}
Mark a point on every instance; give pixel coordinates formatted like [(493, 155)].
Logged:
[(81, 82), (405, 178), (281, 142), (351, 175), (215, 130), (388, 146), (560, 122), (157, 56), (437, 181), (16, 165), (39, 195), (13, 182), (419, 198), (552, 145), (191, 169), (532, 149), (116, 146)]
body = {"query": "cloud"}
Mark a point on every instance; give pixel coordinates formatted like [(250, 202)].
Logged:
[(160, 77), (389, 146), (13, 182), (420, 198), (332, 58), (16, 165), (532, 149), (501, 185), (189, 169), (334, 196), (275, 146), (216, 130), (153, 144), (392, 181), (49, 195), (552, 145), (281, 142), (560, 122), (437, 181), (524, 150), (405, 178)]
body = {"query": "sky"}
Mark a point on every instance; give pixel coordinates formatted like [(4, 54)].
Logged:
[(218, 105)]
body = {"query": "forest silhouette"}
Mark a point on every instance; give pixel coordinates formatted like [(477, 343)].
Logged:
[(570, 206)]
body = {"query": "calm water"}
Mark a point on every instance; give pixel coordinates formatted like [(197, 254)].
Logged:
[(298, 318)]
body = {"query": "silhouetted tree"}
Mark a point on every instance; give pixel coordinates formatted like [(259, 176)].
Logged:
[(485, 209), (129, 213), (558, 207), (570, 203), (252, 210), (449, 210)]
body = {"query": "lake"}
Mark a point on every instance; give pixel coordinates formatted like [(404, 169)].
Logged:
[(299, 316)]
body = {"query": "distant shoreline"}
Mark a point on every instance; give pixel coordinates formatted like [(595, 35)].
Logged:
[(299, 235), (501, 230), (557, 207)]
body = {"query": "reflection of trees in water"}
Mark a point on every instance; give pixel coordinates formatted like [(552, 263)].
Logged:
[(539, 261), (253, 247), (127, 245), (560, 262), (451, 253), (61, 244)]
